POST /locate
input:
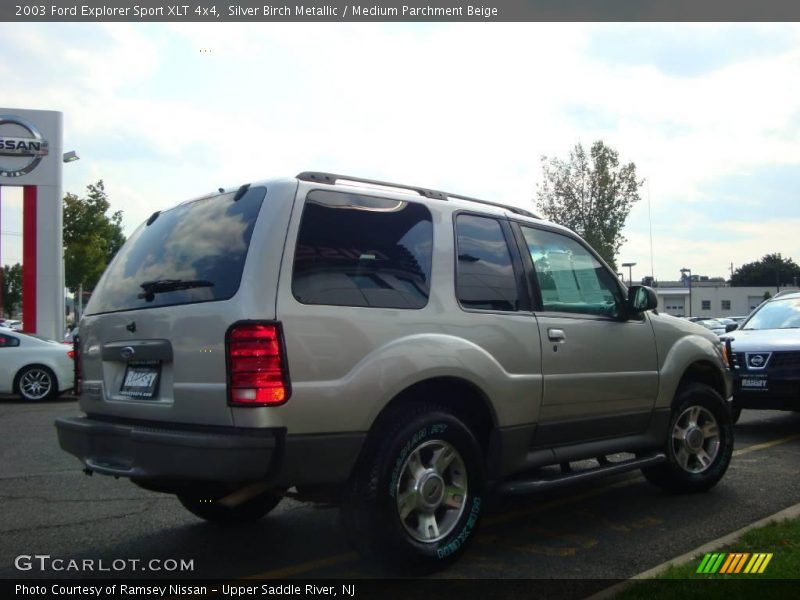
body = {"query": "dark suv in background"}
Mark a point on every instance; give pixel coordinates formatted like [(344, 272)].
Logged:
[(765, 356)]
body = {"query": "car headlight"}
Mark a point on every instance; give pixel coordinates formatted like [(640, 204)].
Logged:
[(722, 349)]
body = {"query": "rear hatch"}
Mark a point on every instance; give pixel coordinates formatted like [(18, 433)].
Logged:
[(153, 335)]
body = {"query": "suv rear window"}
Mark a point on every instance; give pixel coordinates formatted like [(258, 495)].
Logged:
[(194, 252), (355, 250)]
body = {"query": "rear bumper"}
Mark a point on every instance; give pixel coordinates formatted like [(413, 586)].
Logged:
[(165, 452)]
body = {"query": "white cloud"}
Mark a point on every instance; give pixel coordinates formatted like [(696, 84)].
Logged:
[(468, 108)]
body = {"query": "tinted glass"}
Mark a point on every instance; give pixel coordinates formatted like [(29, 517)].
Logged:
[(778, 314), (203, 241), (485, 278), (571, 279), (357, 250), (6, 341)]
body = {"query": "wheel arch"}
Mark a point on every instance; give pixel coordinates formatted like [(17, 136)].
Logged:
[(462, 397), (705, 372)]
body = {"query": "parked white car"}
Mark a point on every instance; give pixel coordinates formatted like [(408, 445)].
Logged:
[(32, 367)]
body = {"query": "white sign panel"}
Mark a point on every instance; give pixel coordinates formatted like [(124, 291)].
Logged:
[(30, 147)]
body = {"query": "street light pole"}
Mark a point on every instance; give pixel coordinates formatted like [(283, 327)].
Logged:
[(69, 157), (684, 271), (630, 266)]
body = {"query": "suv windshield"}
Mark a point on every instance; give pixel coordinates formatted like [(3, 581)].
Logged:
[(194, 252), (778, 314)]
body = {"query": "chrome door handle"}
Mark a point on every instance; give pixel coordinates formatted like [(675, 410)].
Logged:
[(556, 335)]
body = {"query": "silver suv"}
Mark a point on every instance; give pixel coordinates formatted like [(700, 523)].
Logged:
[(405, 350)]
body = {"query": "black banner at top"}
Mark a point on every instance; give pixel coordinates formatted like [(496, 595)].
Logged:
[(397, 10)]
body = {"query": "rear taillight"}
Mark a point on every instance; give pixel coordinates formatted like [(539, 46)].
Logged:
[(71, 354), (257, 374)]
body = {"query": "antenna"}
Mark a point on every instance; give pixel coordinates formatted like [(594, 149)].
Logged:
[(650, 217)]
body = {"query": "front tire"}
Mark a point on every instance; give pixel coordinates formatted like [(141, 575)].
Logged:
[(699, 444), (418, 492), (36, 383)]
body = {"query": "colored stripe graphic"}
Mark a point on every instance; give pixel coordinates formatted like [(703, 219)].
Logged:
[(711, 563), (701, 568), (727, 565), (734, 563), (767, 558), (741, 561)]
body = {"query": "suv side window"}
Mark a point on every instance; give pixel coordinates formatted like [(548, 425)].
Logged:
[(355, 250), (485, 274), (570, 278)]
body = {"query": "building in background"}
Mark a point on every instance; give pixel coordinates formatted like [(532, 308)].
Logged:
[(710, 299)]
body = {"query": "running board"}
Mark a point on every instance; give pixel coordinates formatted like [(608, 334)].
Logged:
[(568, 477)]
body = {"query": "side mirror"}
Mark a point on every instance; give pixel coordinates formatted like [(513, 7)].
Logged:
[(641, 298), (731, 326)]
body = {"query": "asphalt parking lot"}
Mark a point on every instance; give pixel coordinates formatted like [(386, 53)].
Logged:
[(613, 528)]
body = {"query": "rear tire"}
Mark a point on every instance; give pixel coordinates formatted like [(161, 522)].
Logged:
[(699, 443), (207, 506), (36, 383), (418, 492)]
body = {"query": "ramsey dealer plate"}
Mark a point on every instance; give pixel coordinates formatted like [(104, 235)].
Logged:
[(141, 379), (754, 382)]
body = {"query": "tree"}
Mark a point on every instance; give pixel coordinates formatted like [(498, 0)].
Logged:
[(591, 194), (91, 237), (771, 269), (12, 289)]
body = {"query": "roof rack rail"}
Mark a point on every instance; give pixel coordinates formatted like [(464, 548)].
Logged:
[(331, 179), (514, 209)]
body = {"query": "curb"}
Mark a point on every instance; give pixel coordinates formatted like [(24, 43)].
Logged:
[(610, 592)]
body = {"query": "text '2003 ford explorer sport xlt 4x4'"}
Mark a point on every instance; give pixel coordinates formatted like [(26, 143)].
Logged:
[(409, 349)]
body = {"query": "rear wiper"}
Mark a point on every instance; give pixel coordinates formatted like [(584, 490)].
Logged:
[(151, 288)]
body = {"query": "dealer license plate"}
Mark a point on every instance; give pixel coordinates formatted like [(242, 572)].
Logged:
[(141, 379), (754, 382)]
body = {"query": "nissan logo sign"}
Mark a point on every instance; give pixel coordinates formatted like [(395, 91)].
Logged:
[(21, 146), (757, 361)]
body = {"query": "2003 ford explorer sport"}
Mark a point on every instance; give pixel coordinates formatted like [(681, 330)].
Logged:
[(409, 349)]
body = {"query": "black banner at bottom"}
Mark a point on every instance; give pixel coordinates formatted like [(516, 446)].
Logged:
[(391, 589)]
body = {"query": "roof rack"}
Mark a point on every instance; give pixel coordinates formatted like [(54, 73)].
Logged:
[(331, 179)]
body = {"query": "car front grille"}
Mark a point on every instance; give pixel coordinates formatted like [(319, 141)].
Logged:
[(784, 360), (778, 360)]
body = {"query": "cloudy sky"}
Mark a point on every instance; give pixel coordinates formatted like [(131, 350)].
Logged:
[(710, 114)]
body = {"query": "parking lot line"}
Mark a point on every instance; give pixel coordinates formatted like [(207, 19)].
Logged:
[(329, 561), (765, 445), (337, 559)]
